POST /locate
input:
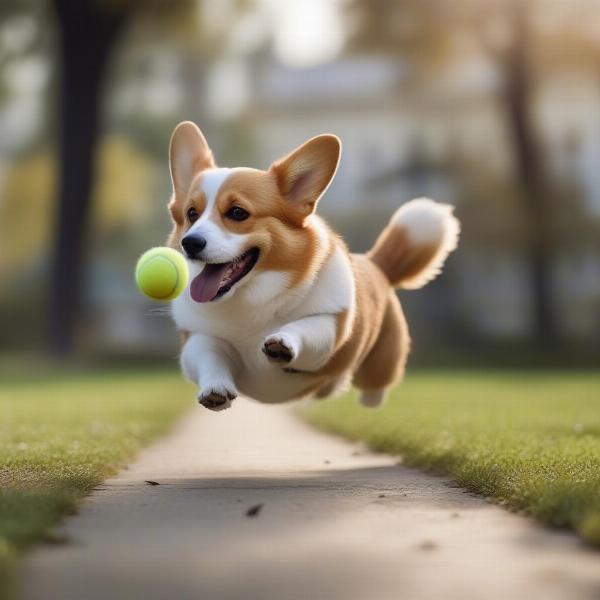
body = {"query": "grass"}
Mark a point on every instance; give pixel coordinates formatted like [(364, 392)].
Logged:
[(529, 440), (61, 435)]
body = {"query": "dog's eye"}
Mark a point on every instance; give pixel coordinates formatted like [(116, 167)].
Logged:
[(236, 213), (192, 214)]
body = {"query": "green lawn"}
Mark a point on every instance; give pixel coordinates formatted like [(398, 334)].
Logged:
[(62, 435), (531, 440)]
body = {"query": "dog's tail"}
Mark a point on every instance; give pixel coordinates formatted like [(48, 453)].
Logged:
[(412, 249)]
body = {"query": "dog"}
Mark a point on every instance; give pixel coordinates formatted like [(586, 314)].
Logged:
[(277, 307)]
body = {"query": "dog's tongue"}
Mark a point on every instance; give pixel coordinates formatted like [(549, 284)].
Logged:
[(204, 287)]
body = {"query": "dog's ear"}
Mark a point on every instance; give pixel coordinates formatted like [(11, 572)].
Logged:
[(305, 173), (188, 154)]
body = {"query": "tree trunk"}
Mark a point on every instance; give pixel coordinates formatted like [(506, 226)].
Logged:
[(531, 178), (87, 33)]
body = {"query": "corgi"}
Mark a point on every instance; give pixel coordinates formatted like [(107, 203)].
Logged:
[(277, 308)]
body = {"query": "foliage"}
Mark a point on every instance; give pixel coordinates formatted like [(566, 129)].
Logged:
[(26, 203), (124, 184), (122, 195)]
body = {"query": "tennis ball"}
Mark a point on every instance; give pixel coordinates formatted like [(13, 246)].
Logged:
[(161, 273)]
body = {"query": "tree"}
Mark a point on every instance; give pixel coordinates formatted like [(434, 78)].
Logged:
[(535, 193), (87, 33)]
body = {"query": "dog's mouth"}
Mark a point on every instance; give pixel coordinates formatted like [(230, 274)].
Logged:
[(217, 279)]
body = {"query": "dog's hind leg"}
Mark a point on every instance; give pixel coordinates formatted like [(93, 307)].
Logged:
[(372, 398), (384, 364), (335, 386)]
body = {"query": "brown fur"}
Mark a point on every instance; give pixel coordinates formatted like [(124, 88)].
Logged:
[(398, 258), (279, 201), (376, 341), (269, 227)]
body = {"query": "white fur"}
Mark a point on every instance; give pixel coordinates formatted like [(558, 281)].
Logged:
[(221, 245), (333, 292), (266, 306), (310, 339), (264, 287), (212, 180), (428, 223), (214, 373)]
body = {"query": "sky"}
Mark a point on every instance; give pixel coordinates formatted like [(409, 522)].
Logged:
[(306, 32)]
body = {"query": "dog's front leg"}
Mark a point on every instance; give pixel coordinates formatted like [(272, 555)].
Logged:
[(210, 362), (305, 344)]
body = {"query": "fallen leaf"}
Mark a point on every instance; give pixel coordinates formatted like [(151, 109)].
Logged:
[(254, 510), (427, 545)]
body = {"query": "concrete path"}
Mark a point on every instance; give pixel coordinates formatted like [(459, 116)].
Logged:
[(336, 523)]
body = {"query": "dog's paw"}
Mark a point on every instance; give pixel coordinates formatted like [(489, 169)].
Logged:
[(279, 348), (217, 397)]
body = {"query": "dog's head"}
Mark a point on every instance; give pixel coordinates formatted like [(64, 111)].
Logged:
[(233, 224)]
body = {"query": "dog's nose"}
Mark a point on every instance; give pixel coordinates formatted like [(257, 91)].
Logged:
[(193, 244)]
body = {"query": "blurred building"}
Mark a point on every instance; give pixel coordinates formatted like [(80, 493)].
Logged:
[(401, 142)]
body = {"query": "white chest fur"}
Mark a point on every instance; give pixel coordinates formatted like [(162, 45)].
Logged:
[(260, 308)]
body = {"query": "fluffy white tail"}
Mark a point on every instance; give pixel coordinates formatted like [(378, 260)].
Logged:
[(412, 249)]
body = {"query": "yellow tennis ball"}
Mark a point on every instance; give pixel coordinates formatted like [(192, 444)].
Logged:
[(161, 273)]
